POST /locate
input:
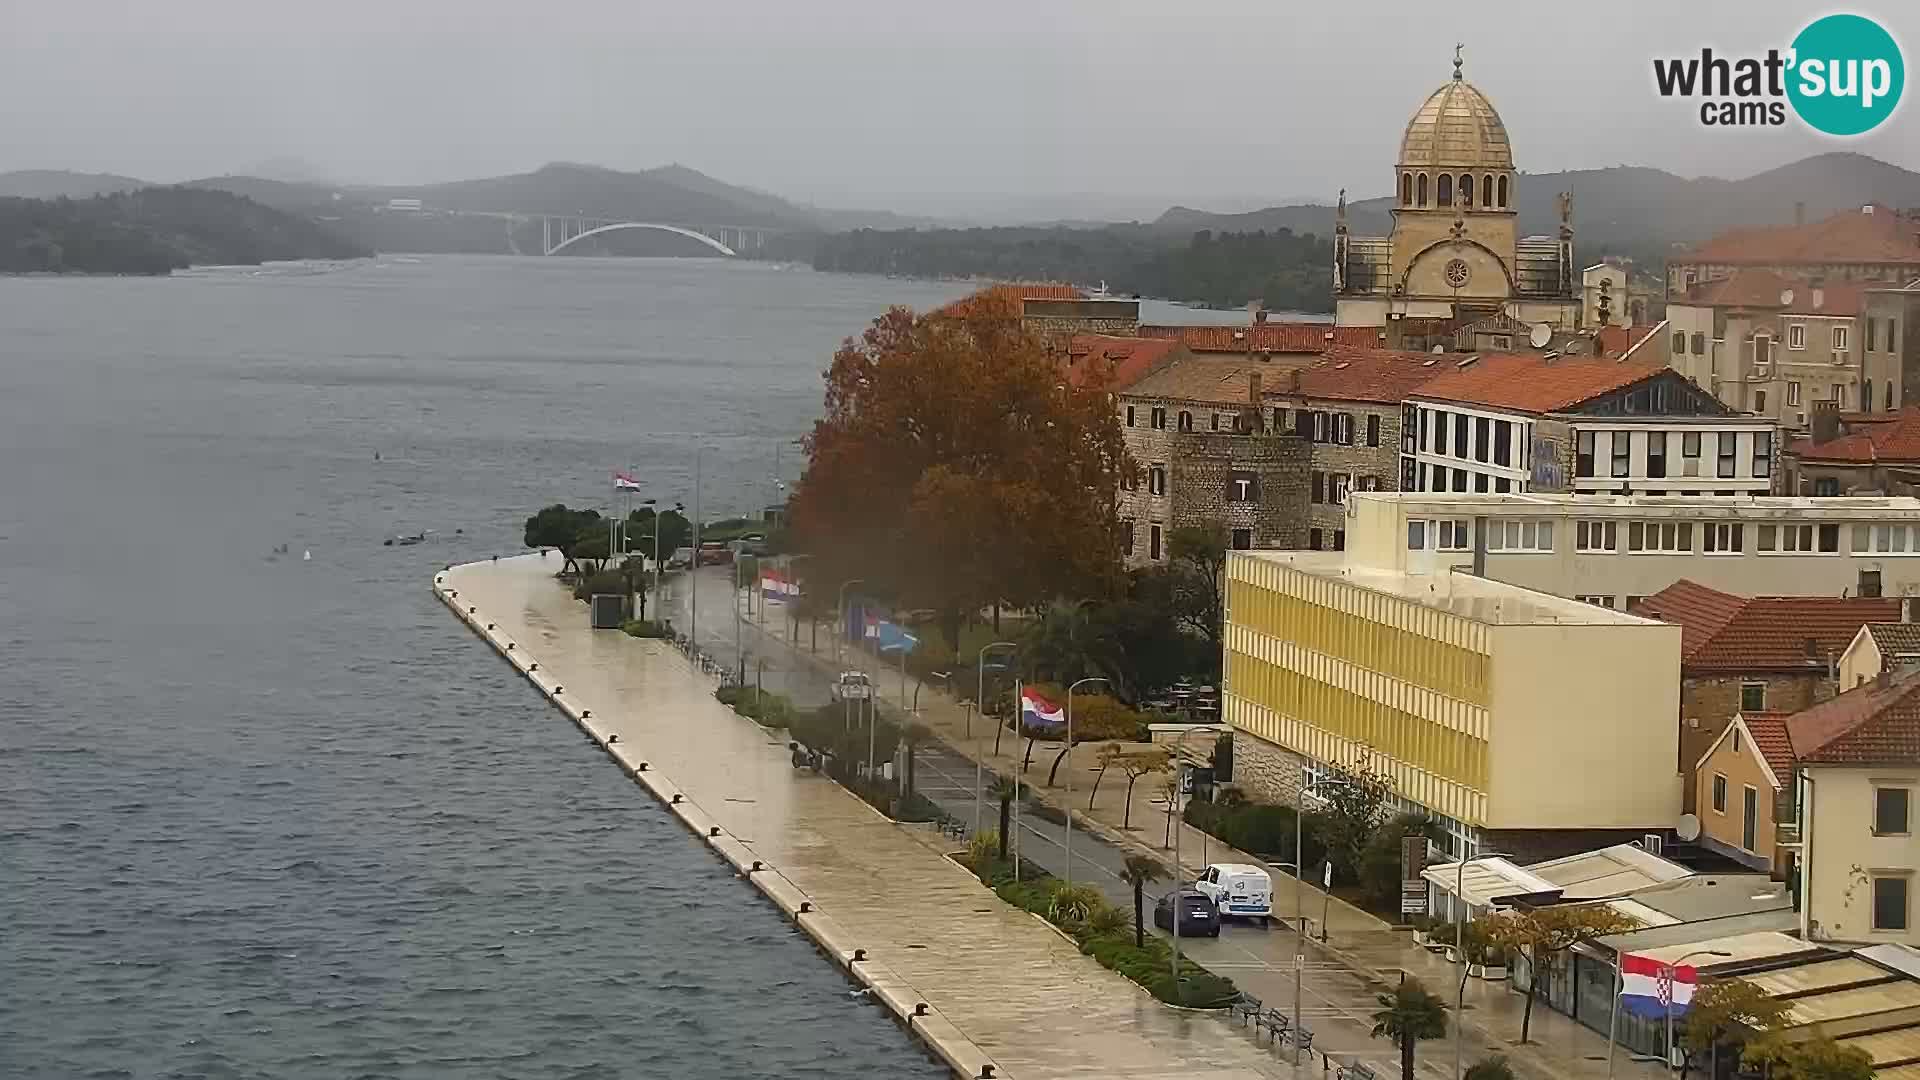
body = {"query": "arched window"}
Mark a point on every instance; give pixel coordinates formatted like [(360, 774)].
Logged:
[(1503, 193), (1466, 189), (1866, 396), (1486, 190), (1423, 189), (1186, 420), (1444, 190), (1406, 189)]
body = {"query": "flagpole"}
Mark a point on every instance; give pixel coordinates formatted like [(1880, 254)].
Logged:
[(1019, 725), (1613, 1014)]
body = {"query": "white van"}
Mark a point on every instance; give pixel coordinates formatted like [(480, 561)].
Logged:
[(1239, 890)]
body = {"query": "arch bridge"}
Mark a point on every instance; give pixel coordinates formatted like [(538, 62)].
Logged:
[(557, 234)]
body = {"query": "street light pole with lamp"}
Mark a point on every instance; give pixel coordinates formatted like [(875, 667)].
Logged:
[(1299, 909), (980, 702), (1069, 814), (1666, 976), (840, 632), (1460, 945)]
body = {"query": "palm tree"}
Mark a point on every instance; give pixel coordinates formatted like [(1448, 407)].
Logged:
[(1139, 870), (1407, 1016), (1002, 789)]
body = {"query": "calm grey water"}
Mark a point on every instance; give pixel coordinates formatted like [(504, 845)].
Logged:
[(269, 816)]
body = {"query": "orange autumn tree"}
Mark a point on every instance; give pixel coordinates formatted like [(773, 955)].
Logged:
[(955, 469)]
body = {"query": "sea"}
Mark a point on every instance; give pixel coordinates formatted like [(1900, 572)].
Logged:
[(265, 809)]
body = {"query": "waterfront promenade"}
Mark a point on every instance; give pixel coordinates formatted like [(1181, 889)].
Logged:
[(1001, 987)]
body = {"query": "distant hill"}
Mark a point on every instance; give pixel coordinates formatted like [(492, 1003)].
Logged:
[(156, 230), (1627, 209), (61, 184)]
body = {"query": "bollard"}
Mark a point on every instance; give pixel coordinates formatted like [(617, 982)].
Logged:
[(509, 646), (585, 713), (713, 830), (455, 593), (859, 956), (642, 767), (986, 1072), (473, 611), (531, 668), (557, 689), (756, 867), (919, 1008), (489, 626), (675, 801), (806, 908)]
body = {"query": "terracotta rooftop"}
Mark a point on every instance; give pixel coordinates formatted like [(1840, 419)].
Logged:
[(1345, 374), (1276, 337), (1724, 632), (1005, 298), (1530, 382), (1868, 725), (1895, 638), (1120, 360), (1890, 438), (1752, 287), (1770, 738), (1216, 380), (1874, 234)]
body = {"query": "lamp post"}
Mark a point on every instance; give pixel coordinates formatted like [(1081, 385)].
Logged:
[(1299, 906), (980, 701), (1069, 751), (1460, 942), (840, 632)]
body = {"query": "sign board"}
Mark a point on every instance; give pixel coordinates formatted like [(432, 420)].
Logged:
[(1243, 486), (1413, 887), (1186, 779)]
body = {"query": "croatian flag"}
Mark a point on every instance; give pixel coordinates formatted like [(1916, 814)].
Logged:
[(775, 585), (1644, 992), (1038, 712), (623, 482)]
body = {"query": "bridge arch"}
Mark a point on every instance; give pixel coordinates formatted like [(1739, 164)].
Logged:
[(618, 226)]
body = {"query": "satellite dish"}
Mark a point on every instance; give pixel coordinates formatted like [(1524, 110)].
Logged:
[(1687, 828), (1786, 297), (1541, 334)]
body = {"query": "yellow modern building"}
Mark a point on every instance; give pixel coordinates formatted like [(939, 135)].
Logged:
[(1519, 720)]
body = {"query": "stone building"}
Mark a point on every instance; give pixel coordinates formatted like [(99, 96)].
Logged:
[(1206, 455), (1284, 343), (1887, 341), (1875, 244), (1454, 251), (1745, 655), (1855, 454)]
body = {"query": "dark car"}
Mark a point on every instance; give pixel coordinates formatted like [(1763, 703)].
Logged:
[(1198, 915)]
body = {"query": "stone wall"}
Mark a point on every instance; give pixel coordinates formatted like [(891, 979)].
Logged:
[(1199, 467), (1713, 701), (1267, 772), (1381, 463)]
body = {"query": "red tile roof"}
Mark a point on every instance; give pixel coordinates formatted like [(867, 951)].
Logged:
[(1892, 440), (1355, 374), (1213, 379), (1722, 632), (1770, 738), (1005, 298), (1851, 236), (1529, 382), (1757, 288), (1119, 362), (1868, 725), (1275, 337)]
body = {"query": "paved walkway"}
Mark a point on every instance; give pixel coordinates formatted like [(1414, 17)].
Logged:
[(998, 978), (1362, 954)]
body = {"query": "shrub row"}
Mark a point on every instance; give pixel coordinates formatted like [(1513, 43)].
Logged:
[(646, 628)]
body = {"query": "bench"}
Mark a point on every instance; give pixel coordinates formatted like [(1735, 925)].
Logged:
[(1302, 1037), (1356, 1071), (1275, 1022), (1247, 1007)]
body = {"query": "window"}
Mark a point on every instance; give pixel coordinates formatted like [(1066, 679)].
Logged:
[(1890, 805), (1660, 536), (1753, 699), (1440, 433), (1503, 192), (1486, 190), (1339, 539), (1480, 482), (1763, 349), (1482, 435), (1871, 327), (1216, 421), (1466, 190), (1656, 454), (1242, 539), (1829, 538), (1317, 487), (1501, 485), (1699, 343), (1797, 336), (1406, 189), (1443, 190), (1338, 484), (1373, 430), (1343, 429), (1459, 479), (1763, 453), (1729, 445), (1416, 535), (1749, 818), (1322, 430), (1129, 416), (1153, 541), (1719, 793), (1690, 444), (1826, 486), (1460, 438), (1890, 902), (1793, 393), (1596, 536), (1369, 483), (1868, 585), (1186, 420), (1313, 539), (1126, 530), (1503, 442), (1839, 339), (1159, 418), (1621, 444), (1422, 188), (1882, 539), (1721, 537), (1454, 536), (1157, 480), (1596, 601), (1279, 420), (1893, 345), (1519, 535), (1679, 343), (1502, 342)]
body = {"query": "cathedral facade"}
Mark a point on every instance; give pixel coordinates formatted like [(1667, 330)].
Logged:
[(1455, 251)]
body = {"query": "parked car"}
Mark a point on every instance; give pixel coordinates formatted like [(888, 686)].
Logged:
[(1198, 915), (1239, 889), (852, 686)]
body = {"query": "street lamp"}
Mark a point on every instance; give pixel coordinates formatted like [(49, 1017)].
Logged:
[(840, 632), (980, 702), (1460, 941), (1299, 908), (1069, 752), (1666, 975)]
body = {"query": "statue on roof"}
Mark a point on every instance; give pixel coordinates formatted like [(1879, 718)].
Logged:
[(1457, 46)]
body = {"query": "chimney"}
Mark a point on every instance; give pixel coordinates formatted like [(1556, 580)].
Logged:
[(1799, 213), (1819, 298), (1260, 316)]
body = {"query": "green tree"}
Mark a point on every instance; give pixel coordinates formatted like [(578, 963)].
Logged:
[(1197, 574), (1096, 718), (1545, 934), (1725, 1012), (1817, 1057), (1105, 758), (1003, 791), (1137, 871), (1490, 1068), (1407, 1016), (561, 529), (675, 531), (1379, 870), (1355, 798), (1136, 764)]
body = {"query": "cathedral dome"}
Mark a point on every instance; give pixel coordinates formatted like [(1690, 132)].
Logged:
[(1456, 127)]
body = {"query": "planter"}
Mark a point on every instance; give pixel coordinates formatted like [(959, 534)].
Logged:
[(1423, 939), (1453, 955), (1491, 972)]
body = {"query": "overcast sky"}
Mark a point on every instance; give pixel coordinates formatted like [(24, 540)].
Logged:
[(903, 104)]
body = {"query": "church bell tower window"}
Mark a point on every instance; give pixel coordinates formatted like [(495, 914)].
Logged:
[(1445, 190), (1486, 190), (1503, 193), (1406, 189), (1423, 189)]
